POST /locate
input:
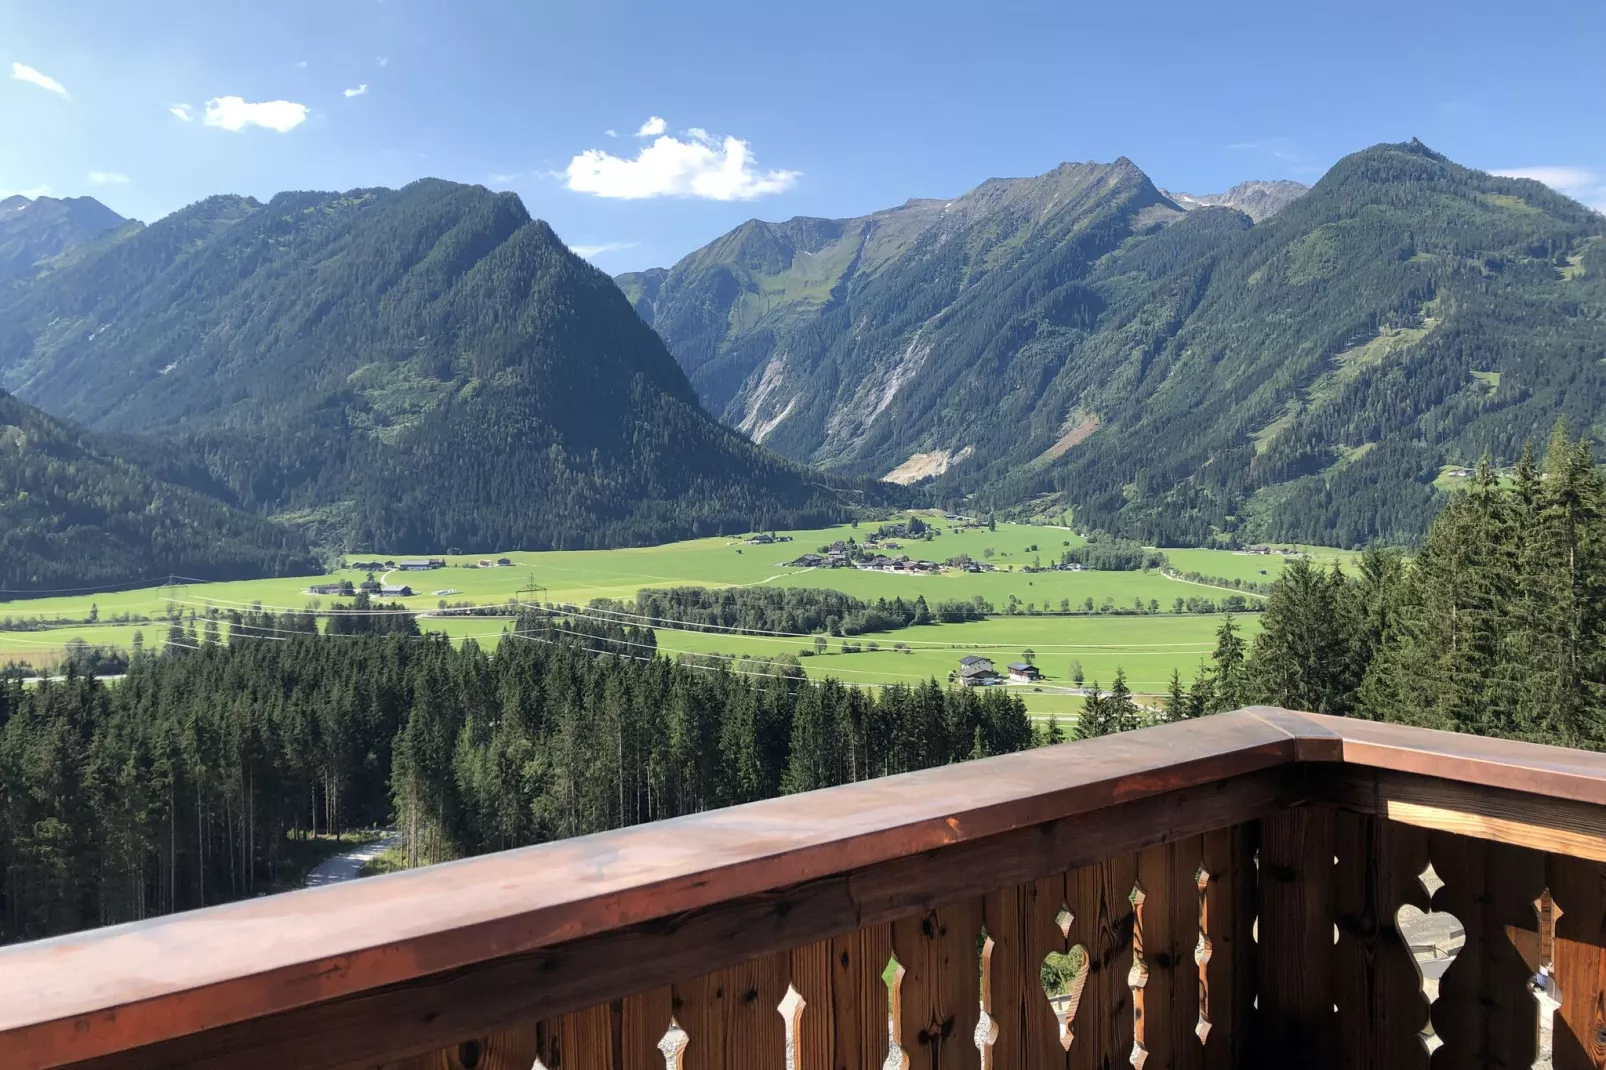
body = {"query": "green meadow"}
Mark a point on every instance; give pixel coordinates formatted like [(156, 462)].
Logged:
[(1147, 647)]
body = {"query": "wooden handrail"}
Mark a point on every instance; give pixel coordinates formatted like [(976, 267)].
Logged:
[(574, 922)]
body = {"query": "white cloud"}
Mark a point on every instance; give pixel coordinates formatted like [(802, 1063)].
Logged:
[(359, 91), (698, 166), (235, 113), (23, 73), (503, 179), (384, 61), (611, 133), (652, 127), (591, 252), (182, 111), (108, 178), (1579, 183)]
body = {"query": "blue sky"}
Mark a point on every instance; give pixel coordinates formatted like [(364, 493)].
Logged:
[(771, 110)]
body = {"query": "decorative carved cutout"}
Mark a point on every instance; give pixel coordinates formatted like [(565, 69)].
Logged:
[(791, 1011), (1137, 979), (1063, 975), (673, 1045), (986, 1034), (1434, 939), (896, 1059), (1543, 986), (1201, 955)]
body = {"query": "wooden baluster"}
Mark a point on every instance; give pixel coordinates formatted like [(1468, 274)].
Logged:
[(859, 997), (1485, 1012), (1101, 901), (731, 1017), (811, 976), (1230, 899), (1382, 1013), (1295, 1020), (937, 950), (1579, 888), (1014, 976), (1170, 919), (643, 1020)]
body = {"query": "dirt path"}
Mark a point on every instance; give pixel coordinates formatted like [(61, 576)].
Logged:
[(345, 867)]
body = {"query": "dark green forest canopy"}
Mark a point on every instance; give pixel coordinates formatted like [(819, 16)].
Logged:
[(78, 509), (1168, 376), (426, 368), (179, 786), (1496, 627)]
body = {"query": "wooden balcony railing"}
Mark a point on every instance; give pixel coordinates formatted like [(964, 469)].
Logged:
[(1222, 892)]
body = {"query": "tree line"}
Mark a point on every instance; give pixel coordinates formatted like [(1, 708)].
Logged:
[(1497, 626), (187, 783), (784, 611)]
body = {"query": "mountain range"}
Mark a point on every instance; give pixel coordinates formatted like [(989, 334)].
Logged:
[(244, 384), (39, 228), (418, 369), (1169, 368)]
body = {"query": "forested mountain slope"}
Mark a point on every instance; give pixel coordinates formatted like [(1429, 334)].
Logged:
[(424, 368), (1076, 338), (37, 229), (77, 510)]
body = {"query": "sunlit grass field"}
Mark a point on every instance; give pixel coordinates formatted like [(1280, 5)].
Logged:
[(1146, 647)]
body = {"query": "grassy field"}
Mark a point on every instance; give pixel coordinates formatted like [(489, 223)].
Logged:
[(1147, 647)]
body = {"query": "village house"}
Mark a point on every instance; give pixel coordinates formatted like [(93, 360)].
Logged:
[(391, 590), (420, 566), (330, 588), (977, 672), (1024, 673)]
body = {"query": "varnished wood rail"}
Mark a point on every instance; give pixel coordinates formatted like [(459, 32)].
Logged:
[(1223, 892)]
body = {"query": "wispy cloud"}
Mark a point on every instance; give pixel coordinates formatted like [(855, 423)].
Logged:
[(236, 113), (183, 111), (1280, 153), (359, 91), (108, 178), (697, 165), (591, 252), (23, 73), (1579, 183), (611, 133), (384, 61), (503, 178)]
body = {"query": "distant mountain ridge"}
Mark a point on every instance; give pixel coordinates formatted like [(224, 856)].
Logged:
[(421, 369), (80, 510), (1080, 340), (36, 229), (1256, 199)]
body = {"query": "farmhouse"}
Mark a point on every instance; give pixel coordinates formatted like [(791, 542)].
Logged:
[(1023, 673), (330, 588), (420, 566), (979, 675), (971, 661), (391, 590), (367, 566)]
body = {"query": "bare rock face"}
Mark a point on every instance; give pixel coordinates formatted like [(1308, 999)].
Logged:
[(1256, 199)]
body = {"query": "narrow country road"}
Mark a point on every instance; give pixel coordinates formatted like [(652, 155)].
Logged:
[(344, 867)]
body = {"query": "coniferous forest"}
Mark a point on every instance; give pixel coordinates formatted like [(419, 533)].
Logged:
[(184, 784), (1497, 626)]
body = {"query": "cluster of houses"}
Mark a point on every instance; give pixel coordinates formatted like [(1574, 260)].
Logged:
[(345, 588), (1261, 548), (977, 671), (766, 540)]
